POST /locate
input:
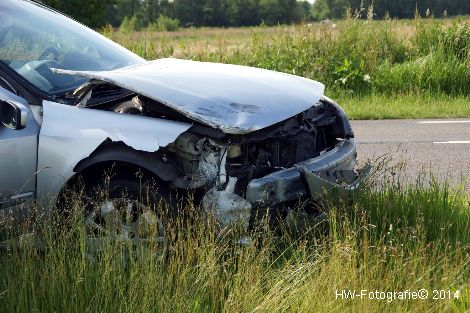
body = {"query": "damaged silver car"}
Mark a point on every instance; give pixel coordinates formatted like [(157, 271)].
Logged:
[(74, 104)]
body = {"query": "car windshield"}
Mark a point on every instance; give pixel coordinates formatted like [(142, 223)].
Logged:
[(34, 39)]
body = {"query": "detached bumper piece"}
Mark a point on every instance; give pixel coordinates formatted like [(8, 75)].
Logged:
[(319, 187), (333, 170)]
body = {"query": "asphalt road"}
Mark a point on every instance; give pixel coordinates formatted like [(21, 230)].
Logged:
[(440, 146)]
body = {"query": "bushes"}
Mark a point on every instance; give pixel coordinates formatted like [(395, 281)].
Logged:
[(352, 75), (440, 62), (164, 23), (455, 40), (372, 57), (130, 25), (434, 72)]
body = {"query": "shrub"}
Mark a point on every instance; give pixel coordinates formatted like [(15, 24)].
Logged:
[(130, 25), (126, 26), (426, 37), (164, 23), (107, 30), (455, 40), (352, 75), (434, 72)]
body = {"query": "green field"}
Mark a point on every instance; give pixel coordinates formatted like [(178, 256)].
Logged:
[(377, 69), (391, 239)]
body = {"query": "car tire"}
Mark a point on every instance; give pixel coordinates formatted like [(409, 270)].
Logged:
[(127, 207)]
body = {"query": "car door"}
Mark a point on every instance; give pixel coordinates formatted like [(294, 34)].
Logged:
[(18, 151)]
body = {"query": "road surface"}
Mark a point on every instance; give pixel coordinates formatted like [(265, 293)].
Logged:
[(442, 146)]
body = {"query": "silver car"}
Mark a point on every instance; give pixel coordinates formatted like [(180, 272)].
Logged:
[(75, 104)]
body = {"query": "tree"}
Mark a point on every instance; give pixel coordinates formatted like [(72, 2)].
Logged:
[(279, 11), (338, 8), (320, 10), (288, 11), (188, 11), (304, 10), (243, 12), (93, 13), (96, 13)]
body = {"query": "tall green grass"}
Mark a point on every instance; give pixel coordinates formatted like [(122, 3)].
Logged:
[(355, 56), (388, 239)]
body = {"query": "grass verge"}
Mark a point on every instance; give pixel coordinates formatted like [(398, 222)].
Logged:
[(391, 239), (403, 106)]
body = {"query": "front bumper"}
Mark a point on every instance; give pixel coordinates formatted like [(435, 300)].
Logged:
[(333, 169)]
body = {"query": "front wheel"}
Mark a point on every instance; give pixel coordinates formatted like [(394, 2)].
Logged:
[(126, 209)]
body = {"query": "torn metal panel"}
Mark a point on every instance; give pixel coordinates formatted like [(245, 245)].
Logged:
[(121, 153), (287, 184), (318, 187), (232, 98), (70, 134), (198, 158)]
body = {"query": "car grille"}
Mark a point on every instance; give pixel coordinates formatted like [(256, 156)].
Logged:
[(282, 153)]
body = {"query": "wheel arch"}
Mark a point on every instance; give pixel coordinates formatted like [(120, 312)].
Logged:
[(122, 159)]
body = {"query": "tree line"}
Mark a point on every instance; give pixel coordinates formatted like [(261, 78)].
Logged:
[(223, 13), (390, 8)]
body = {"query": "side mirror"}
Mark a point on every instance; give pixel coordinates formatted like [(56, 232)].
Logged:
[(13, 115)]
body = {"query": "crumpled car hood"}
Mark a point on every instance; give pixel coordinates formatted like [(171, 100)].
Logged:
[(235, 99)]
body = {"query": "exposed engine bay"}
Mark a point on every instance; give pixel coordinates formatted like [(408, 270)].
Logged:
[(205, 157)]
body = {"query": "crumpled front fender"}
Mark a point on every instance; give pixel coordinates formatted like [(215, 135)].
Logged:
[(308, 178), (70, 134), (318, 187)]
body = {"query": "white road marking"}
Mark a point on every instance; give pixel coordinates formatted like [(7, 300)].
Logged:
[(451, 142), (444, 122)]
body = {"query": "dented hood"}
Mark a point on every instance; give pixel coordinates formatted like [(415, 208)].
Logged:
[(232, 98)]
